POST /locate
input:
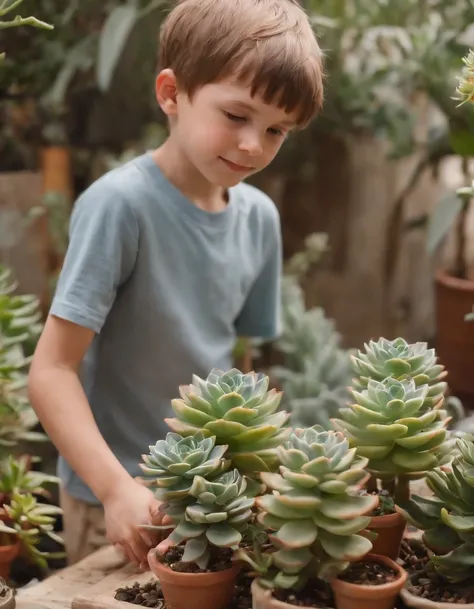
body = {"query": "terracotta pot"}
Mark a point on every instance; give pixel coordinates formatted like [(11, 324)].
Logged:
[(7, 601), (7, 556), (390, 530), (454, 335), (353, 596), (262, 598), (194, 590), (411, 600)]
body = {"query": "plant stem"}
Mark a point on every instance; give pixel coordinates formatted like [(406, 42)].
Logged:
[(5, 9), (372, 485), (19, 21), (402, 489)]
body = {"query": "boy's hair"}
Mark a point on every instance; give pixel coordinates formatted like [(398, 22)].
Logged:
[(269, 44)]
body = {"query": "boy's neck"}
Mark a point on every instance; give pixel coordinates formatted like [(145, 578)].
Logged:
[(182, 174)]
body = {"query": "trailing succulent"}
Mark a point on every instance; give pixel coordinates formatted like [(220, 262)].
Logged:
[(447, 519), (316, 510), (207, 504), (239, 411)]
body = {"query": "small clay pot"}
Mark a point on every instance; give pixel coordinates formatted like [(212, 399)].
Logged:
[(356, 596), (411, 600), (7, 556), (262, 598), (194, 590), (390, 529)]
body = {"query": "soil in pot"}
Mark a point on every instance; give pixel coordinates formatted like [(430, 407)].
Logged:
[(316, 594), (186, 586), (372, 583), (431, 586), (221, 559)]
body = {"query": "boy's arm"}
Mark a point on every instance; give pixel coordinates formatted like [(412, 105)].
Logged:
[(62, 407), (100, 257)]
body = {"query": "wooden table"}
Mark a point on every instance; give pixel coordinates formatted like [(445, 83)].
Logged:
[(88, 584)]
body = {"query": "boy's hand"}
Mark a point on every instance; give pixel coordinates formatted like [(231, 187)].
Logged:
[(129, 505)]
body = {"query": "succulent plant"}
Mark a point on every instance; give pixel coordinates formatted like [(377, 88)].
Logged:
[(390, 424), (447, 518), (29, 520), (316, 508), (19, 313), (401, 360), (218, 518), (17, 478), (239, 411), (316, 370), (174, 462)]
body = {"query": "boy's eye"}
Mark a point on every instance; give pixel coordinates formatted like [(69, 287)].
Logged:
[(274, 131), (234, 117)]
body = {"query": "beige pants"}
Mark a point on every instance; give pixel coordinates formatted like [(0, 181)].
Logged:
[(84, 527)]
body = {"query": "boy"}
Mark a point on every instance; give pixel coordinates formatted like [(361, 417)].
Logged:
[(171, 257)]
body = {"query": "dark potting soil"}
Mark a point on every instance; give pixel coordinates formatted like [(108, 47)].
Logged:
[(369, 573), (146, 595), (221, 559), (413, 555), (315, 595), (431, 586)]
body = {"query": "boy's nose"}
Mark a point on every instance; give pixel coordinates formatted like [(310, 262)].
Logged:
[(251, 144)]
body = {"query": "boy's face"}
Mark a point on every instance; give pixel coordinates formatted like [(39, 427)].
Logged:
[(226, 134)]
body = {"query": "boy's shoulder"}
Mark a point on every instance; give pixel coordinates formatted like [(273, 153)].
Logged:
[(121, 185)]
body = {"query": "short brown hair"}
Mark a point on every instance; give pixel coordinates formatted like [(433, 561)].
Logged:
[(267, 43)]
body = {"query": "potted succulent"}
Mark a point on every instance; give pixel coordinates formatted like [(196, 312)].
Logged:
[(23, 520), (396, 421), (210, 512), (447, 522), (316, 515), (239, 411)]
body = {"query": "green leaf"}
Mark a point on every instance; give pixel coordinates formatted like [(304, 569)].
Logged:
[(223, 536), (194, 549), (299, 534), (441, 539), (275, 482), (341, 527), (114, 36), (442, 219), (461, 524), (292, 561), (348, 507), (191, 415), (340, 547), (333, 487)]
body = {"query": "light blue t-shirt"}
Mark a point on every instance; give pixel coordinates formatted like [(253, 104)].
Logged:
[(167, 287)]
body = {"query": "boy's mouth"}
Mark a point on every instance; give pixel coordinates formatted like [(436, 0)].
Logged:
[(235, 167)]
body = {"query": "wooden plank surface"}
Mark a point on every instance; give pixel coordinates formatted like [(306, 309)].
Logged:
[(101, 595), (76, 581)]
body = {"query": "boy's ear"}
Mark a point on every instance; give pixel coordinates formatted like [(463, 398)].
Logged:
[(167, 91)]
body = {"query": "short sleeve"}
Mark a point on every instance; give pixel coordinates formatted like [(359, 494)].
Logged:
[(260, 316), (103, 245)]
